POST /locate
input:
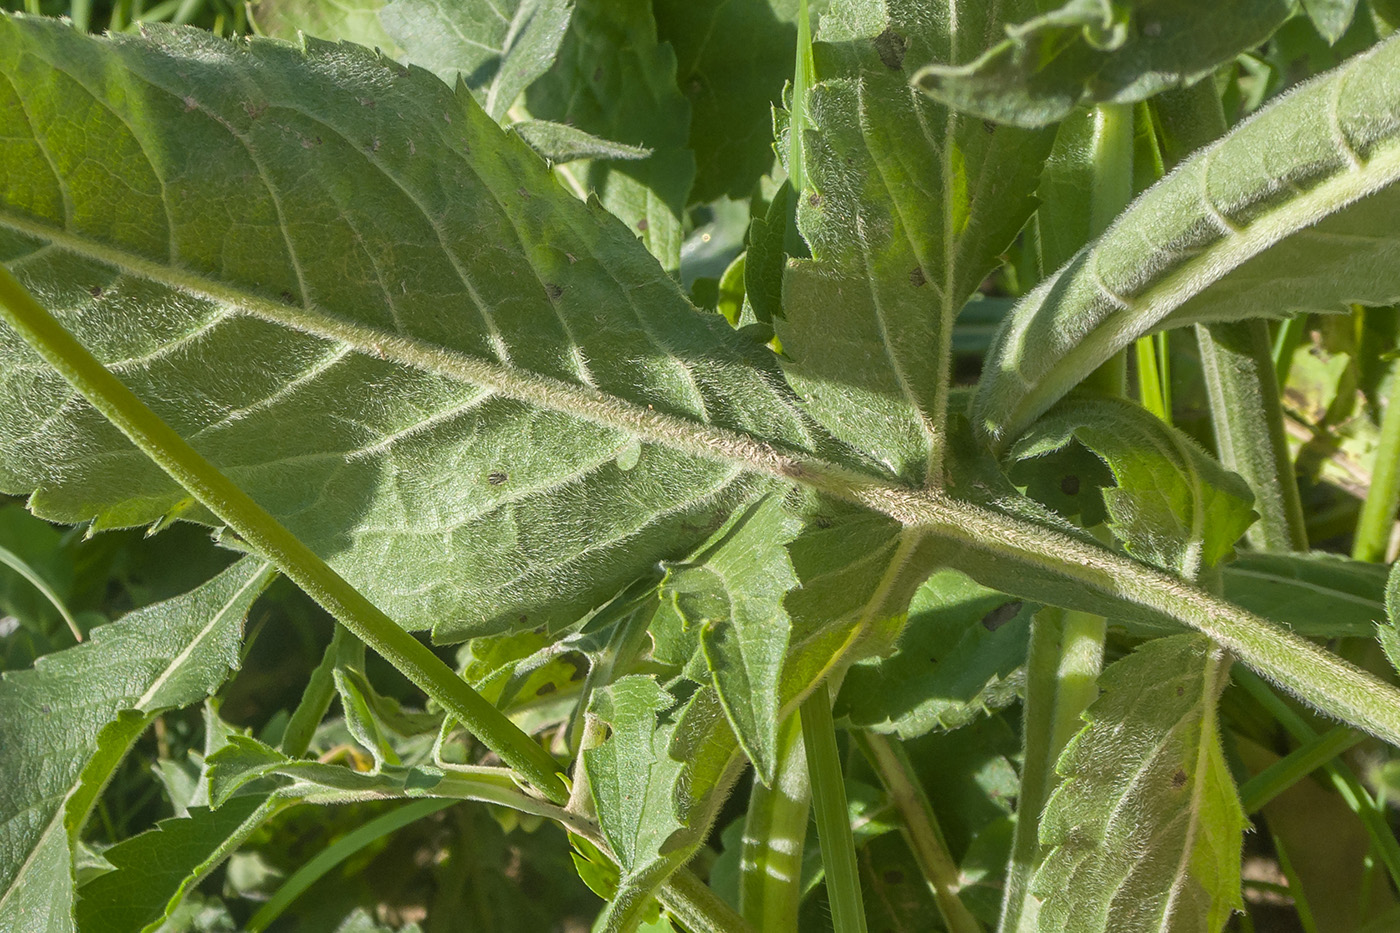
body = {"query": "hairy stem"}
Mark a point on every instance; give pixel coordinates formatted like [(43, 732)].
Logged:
[(833, 814), (1377, 522), (1112, 190), (775, 831), (267, 536), (698, 907), (919, 826)]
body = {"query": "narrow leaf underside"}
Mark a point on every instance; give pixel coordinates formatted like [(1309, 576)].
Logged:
[(167, 655), (907, 207), (370, 307), (1296, 210)]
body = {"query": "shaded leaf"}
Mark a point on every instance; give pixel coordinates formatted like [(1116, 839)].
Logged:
[(615, 80), (155, 869), (732, 60), (1173, 505), (61, 728), (960, 656), (559, 142), (907, 208), (1293, 210), (382, 357), (1331, 17), (1319, 595), (1146, 829), (498, 47), (1389, 630), (1098, 51), (349, 20)]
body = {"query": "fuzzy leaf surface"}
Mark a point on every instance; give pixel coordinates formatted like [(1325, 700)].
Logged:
[(1389, 630), (1294, 210), (907, 208), (960, 656), (1319, 595), (1144, 834), (498, 48), (62, 729), (1100, 51), (348, 20), (371, 307), (1173, 505)]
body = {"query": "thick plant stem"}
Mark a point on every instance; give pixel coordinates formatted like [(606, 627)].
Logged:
[(1238, 360), (1019, 908), (1112, 190), (920, 828), (698, 907), (775, 830), (1377, 522), (1248, 419), (268, 537), (833, 814)]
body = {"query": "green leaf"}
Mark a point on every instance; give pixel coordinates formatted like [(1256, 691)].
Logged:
[(61, 722), (732, 60), (1145, 831), (1227, 236), (1174, 506), (348, 20), (960, 657), (155, 869), (1319, 595), (499, 47), (615, 80), (733, 594), (1389, 631), (908, 207), (559, 143), (423, 451), (1331, 17), (1100, 51)]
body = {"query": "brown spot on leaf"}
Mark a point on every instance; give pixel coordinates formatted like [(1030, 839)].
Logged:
[(546, 689), (894, 876), (523, 193), (1178, 779), (555, 292), (989, 127), (1001, 615), (497, 478), (814, 200), (598, 73), (1069, 485), (1180, 691), (917, 277), (96, 291), (890, 46), (288, 298), (642, 224)]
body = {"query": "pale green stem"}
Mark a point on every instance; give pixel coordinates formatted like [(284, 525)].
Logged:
[(833, 814), (1019, 908), (698, 908), (1077, 675), (775, 832), (1298, 764), (1377, 522), (919, 826), (1289, 339), (267, 536), (1343, 780), (1112, 161), (21, 567)]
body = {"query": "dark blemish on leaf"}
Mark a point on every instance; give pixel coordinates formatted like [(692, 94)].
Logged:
[(814, 199), (523, 619), (310, 143), (545, 690), (1180, 691), (891, 45), (642, 224), (497, 478), (1000, 616), (45, 708), (894, 876), (822, 522), (917, 278), (523, 192), (367, 102), (1069, 485), (989, 127), (598, 73), (1178, 779), (287, 298), (555, 292), (96, 291)]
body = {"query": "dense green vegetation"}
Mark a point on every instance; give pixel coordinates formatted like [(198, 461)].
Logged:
[(768, 465)]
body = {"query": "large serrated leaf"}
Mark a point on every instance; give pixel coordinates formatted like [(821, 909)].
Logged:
[(64, 732), (374, 310), (1173, 505), (1294, 210), (1145, 832), (1101, 50), (907, 208)]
